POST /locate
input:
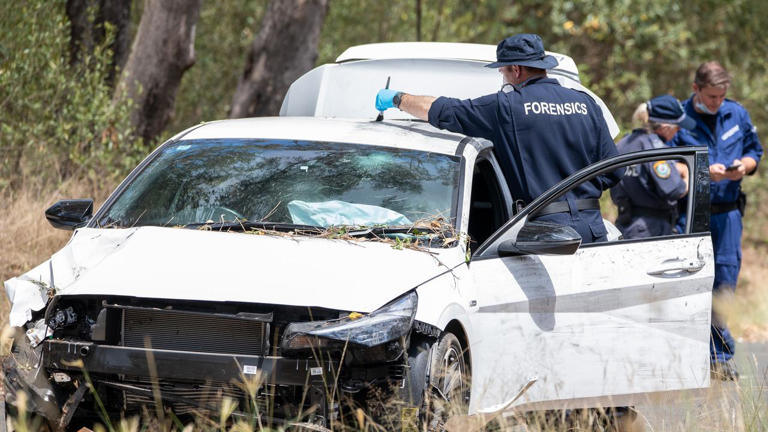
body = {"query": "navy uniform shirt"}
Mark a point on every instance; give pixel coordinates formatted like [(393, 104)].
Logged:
[(734, 137), (542, 133), (648, 191), (654, 185)]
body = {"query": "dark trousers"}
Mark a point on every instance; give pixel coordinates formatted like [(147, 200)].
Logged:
[(588, 223), (646, 226), (726, 239)]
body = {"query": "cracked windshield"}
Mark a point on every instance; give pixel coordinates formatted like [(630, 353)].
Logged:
[(310, 183)]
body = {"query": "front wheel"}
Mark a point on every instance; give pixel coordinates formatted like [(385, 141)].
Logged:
[(434, 386), (449, 383)]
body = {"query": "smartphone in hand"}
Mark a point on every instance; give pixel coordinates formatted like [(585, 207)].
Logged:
[(733, 167)]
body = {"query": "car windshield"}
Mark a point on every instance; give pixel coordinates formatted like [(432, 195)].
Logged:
[(321, 184)]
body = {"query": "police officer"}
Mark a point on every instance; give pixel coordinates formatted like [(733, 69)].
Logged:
[(647, 195), (725, 128), (541, 132)]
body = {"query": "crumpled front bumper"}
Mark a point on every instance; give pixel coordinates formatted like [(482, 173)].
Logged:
[(31, 370), (22, 372), (183, 365)]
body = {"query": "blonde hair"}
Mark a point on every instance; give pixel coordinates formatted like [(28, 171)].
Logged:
[(641, 120)]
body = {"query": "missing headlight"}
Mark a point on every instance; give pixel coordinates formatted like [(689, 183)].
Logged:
[(62, 318)]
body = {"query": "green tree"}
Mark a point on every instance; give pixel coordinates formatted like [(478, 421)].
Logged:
[(57, 120), (224, 34)]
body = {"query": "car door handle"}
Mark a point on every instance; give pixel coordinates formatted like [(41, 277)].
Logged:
[(677, 267)]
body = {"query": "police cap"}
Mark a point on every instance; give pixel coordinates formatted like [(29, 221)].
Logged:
[(667, 109)]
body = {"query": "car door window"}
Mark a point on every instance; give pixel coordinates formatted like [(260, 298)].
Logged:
[(650, 201), (695, 207)]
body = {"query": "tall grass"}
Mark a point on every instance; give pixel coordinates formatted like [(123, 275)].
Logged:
[(26, 237), (747, 311)]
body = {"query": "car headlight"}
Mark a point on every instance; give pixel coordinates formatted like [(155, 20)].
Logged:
[(387, 323)]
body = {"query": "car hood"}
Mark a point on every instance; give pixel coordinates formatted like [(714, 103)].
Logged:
[(174, 263)]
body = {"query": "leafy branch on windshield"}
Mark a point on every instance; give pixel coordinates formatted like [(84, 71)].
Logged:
[(421, 235)]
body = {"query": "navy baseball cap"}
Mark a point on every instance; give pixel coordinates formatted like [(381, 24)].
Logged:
[(667, 109), (525, 50)]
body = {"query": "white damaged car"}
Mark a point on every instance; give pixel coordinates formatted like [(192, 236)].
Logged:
[(335, 263)]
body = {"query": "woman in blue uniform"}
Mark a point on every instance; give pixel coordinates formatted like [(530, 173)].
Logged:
[(647, 194)]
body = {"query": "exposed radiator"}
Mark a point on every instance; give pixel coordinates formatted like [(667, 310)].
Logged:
[(185, 398), (196, 332)]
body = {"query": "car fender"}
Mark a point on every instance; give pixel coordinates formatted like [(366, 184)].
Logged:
[(446, 298)]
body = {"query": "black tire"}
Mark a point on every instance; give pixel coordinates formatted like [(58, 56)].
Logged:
[(435, 387), (631, 421), (612, 419), (449, 383)]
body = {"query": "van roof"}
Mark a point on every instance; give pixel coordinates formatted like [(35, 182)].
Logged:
[(424, 50), (347, 88), (442, 50)]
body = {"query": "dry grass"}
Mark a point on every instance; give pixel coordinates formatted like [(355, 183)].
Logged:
[(26, 236), (747, 311)]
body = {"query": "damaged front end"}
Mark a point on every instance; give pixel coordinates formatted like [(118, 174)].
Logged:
[(22, 373), (281, 363)]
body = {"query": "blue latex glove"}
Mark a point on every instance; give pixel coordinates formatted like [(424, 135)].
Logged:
[(384, 99)]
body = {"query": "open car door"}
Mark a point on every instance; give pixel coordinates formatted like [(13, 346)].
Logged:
[(600, 324)]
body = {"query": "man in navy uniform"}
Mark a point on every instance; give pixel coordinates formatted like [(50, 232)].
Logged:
[(542, 132), (725, 128), (647, 195)]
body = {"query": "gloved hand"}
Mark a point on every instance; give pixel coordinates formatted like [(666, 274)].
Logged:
[(384, 99)]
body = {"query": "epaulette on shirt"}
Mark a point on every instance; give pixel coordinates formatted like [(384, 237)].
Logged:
[(656, 142)]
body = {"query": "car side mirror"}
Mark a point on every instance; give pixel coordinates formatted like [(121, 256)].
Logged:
[(542, 238), (70, 214)]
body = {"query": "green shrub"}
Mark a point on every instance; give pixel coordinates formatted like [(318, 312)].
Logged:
[(58, 121)]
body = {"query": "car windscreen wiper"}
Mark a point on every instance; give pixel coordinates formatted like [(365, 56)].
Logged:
[(383, 231), (247, 225)]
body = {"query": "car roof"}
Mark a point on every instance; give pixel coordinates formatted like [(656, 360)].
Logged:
[(410, 135)]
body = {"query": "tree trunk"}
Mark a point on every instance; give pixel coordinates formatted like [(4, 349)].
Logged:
[(118, 13), (80, 28), (436, 30), (285, 48), (418, 20), (88, 19), (162, 51)]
